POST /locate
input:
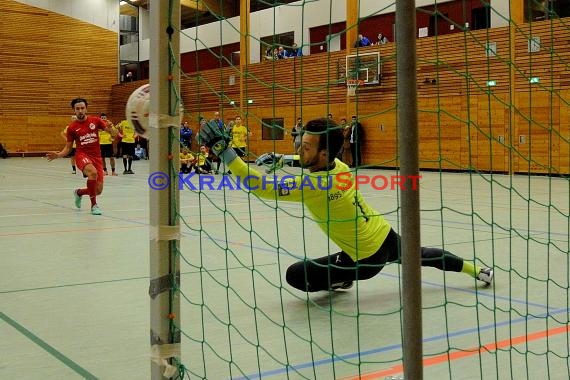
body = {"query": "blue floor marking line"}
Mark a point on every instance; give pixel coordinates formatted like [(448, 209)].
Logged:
[(481, 294), (328, 361)]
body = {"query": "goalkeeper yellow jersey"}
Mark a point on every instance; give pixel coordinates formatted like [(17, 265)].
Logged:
[(336, 206)]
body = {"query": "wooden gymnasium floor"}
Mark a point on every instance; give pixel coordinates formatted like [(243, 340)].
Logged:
[(74, 287)]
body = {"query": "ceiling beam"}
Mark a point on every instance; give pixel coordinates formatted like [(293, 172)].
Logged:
[(213, 6)]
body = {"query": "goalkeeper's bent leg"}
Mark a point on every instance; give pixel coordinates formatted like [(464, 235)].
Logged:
[(319, 274)]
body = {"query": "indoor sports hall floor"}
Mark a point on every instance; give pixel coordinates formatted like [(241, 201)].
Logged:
[(74, 287)]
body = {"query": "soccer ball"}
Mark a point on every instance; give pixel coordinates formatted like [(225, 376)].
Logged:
[(137, 110)]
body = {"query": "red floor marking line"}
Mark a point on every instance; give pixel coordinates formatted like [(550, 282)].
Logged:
[(69, 230), (399, 369)]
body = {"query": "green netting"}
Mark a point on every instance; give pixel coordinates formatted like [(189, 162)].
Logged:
[(495, 157)]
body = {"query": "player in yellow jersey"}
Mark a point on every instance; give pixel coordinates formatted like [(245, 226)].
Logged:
[(203, 165), (106, 144), (71, 154), (239, 134), (366, 239), (127, 145), (187, 160)]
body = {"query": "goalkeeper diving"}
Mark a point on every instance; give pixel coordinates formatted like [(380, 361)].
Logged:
[(366, 239)]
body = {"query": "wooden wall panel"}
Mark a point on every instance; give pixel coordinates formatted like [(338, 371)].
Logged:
[(468, 133), (489, 136), (380, 132), (562, 138), (537, 125), (440, 134), (550, 63), (47, 60)]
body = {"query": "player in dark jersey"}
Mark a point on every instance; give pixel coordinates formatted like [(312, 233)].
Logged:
[(85, 133), (329, 191)]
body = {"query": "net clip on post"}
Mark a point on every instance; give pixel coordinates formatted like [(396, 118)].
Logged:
[(165, 232), (161, 121), (160, 353), (163, 284)]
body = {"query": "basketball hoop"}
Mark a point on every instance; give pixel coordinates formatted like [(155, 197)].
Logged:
[(352, 85)]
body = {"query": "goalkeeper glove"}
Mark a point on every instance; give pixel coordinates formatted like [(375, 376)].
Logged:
[(217, 140)]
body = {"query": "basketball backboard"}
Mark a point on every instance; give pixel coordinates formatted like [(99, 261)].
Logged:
[(366, 67)]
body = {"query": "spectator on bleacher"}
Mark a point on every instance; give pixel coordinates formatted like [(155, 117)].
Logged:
[(294, 52), (186, 135), (296, 133), (362, 41), (279, 53), (382, 39), (106, 144), (3, 151), (269, 53), (71, 154), (274, 54), (140, 153)]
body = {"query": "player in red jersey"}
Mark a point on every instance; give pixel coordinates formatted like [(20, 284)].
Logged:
[(85, 133)]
